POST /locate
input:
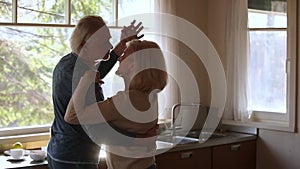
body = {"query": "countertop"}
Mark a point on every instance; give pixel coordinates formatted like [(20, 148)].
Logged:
[(27, 162), (162, 147), (231, 137)]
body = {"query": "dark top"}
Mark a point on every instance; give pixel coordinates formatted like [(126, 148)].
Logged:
[(70, 143)]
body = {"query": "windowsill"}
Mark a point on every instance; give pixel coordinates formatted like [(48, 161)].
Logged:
[(38, 137), (263, 124), (29, 141)]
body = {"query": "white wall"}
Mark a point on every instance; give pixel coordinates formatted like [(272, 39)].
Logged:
[(275, 150)]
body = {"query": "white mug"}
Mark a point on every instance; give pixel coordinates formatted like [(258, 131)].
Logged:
[(16, 153)]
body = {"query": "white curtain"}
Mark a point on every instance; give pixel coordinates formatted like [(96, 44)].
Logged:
[(170, 95), (165, 6), (236, 54)]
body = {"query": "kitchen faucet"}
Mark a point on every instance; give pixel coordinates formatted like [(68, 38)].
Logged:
[(173, 113)]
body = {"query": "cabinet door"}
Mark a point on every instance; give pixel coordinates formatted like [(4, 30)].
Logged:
[(191, 159), (235, 156)]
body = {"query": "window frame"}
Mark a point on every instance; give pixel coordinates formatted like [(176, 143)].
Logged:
[(279, 121), (31, 133), (67, 23)]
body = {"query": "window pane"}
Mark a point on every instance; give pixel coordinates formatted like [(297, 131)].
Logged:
[(27, 59), (132, 7), (103, 8), (6, 11), (273, 15), (41, 11), (112, 82), (268, 5), (258, 19), (267, 65)]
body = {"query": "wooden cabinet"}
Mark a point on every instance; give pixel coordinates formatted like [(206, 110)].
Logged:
[(241, 155), (235, 156), (191, 159)]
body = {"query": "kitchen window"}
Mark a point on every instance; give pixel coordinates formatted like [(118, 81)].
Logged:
[(34, 35), (261, 42), (272, 63)]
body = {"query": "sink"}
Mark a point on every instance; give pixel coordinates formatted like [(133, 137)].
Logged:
[(162, 144), (191, 137), (217, 135), (177, 139), (208, 135)]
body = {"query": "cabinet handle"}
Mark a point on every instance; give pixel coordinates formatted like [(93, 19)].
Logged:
[(235, 147), (186, 155)]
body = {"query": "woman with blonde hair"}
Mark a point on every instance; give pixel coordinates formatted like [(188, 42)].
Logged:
[(143, 69)]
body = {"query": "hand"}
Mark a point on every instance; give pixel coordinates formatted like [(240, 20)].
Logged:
[(131, 32), (92, 77), (148, 138), (150, 133), (128, 33)]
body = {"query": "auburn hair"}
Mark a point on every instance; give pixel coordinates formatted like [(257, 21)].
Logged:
[(150, 66)]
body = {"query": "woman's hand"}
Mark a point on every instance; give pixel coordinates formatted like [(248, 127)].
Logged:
[(131, 32), (128, 33)]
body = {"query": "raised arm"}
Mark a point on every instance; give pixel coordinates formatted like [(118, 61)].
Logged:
[(128, 33), (106, 65), (77, 111)]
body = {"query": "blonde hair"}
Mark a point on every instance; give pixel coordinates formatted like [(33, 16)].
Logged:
[(84, 29), (149, 65)]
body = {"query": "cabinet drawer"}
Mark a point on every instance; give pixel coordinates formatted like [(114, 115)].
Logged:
[(192, 159), (235, 156)]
